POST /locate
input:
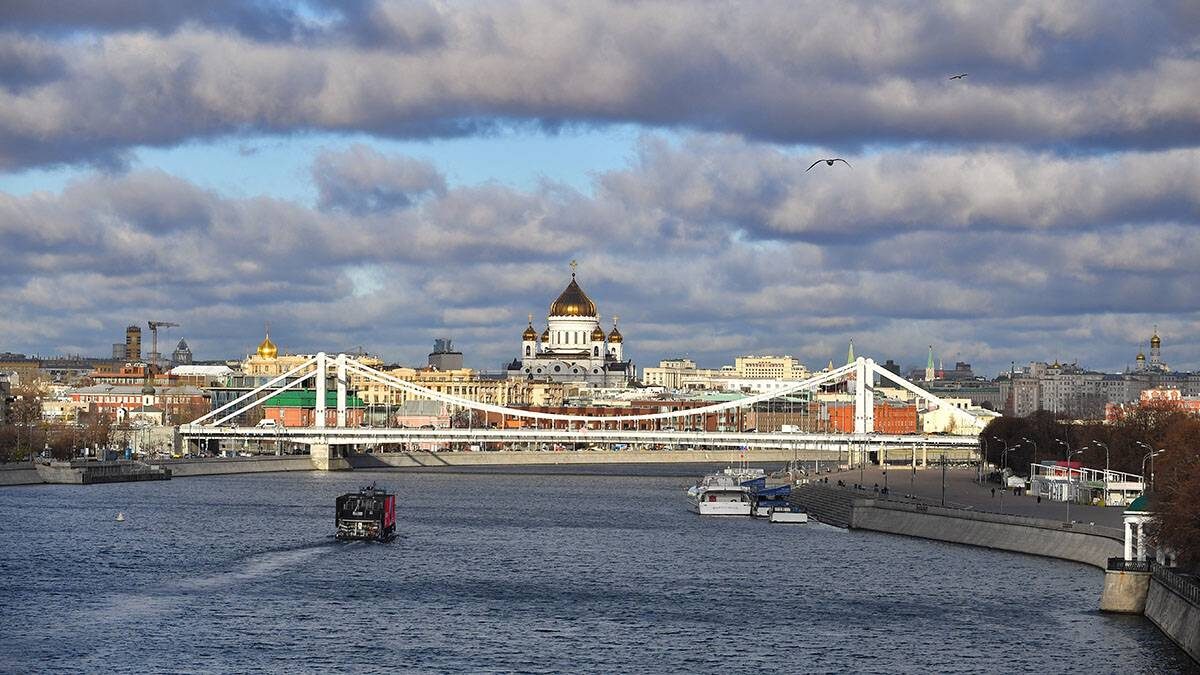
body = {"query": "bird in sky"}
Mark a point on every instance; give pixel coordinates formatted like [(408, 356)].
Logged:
[(959, 76), (828, 162)]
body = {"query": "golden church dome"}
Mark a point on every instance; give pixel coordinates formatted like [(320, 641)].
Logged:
[(1141, 356), (546, 335), (615, 336), (597, 334), (267, 349), (1155, 341), (573, 302), (529, 334)]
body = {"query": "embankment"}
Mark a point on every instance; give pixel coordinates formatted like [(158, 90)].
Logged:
[(181, 468), (1088, 544), (1173, 604), (408, 460), (19, 473)]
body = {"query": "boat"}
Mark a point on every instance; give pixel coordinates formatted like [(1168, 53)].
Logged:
[(120, 516), (772, 504), (787, 514), (720, 494), (369, 514)]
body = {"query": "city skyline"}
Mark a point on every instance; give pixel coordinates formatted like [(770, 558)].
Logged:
[(382, 175)]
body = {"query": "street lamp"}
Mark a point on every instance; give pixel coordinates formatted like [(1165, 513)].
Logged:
[(1005, 452), (1105, 446), (979, 466), (1149, 456), (1035, 448), (1003, 479), (1069, 491)]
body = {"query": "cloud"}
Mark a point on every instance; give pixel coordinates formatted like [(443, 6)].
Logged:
[(710, 246), (848, 75), (362, 180)]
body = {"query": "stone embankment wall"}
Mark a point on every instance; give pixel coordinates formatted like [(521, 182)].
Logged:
[(1124, 592), (527, 458), (1088, 544), (1175, 615), (181, 468), (19, 473)]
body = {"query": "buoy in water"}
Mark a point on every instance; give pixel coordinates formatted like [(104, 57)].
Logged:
[(120, 517)]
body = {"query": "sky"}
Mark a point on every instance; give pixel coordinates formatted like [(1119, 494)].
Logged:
[(375, 174)]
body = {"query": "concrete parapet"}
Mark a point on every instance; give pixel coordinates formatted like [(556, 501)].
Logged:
[(1124, 592)]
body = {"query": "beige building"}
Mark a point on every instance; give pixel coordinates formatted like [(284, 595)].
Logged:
[(770, 367), (748, 373), (464, 383)]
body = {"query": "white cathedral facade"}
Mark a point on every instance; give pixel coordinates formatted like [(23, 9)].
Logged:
[(573, 347)]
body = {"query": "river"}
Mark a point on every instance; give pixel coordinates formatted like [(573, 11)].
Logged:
[(522, 573)]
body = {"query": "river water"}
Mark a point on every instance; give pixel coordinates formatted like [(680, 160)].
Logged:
[(520, 573)]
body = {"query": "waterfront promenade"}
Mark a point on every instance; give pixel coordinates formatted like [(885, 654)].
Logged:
[(964, 493)]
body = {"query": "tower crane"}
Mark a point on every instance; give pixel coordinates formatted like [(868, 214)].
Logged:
[(155, 357)]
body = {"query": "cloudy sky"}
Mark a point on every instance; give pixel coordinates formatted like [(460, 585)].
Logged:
[(378, 174)]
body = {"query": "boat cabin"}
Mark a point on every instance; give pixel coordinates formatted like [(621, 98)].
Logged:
[(368, 514)]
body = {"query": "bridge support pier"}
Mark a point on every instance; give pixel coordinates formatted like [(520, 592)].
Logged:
[(326, 457)]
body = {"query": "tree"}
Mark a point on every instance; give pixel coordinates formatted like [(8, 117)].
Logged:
[(1175, 497)]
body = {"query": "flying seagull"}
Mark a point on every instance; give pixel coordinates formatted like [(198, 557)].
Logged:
[(958, 77), (827, 161)]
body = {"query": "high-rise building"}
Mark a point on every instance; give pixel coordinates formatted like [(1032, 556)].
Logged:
[(133, 343), (182, 356)]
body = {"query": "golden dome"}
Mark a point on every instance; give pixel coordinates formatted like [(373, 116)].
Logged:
[(530, 333), (597, 334), (1155, 341), (1141, 356), (267, 349), (573, 302), (546, 335), (615, 336)]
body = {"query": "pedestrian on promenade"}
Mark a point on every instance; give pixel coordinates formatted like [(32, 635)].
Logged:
[(993, 493), (1039, 499)]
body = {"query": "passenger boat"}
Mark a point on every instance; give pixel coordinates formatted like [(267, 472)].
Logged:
[(720, 494), (368, 514)]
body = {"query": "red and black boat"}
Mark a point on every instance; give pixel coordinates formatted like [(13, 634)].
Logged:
[(368, 514)]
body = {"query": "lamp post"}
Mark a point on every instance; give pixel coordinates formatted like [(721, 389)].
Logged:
[(1149, 456), (1035, 448), (1105, 446), (1068, 448), (1069, 491), (1002, 455), (983, 454), (1003, 479)]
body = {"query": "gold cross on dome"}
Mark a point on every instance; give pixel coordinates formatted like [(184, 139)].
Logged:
[(574, 266)]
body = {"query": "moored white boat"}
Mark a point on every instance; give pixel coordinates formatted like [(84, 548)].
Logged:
[(720, 494), (778, 515)]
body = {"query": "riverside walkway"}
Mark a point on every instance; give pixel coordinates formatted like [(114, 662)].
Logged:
[(964, 493)]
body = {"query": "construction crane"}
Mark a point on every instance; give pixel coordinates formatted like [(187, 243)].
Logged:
[(155, 357)]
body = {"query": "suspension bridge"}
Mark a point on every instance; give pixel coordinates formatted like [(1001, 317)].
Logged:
[(330, 437)]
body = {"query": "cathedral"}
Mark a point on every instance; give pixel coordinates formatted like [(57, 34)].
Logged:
[(573, 347), (1156, 363)]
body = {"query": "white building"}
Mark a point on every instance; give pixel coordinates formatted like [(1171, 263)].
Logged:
[(573, 347)]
